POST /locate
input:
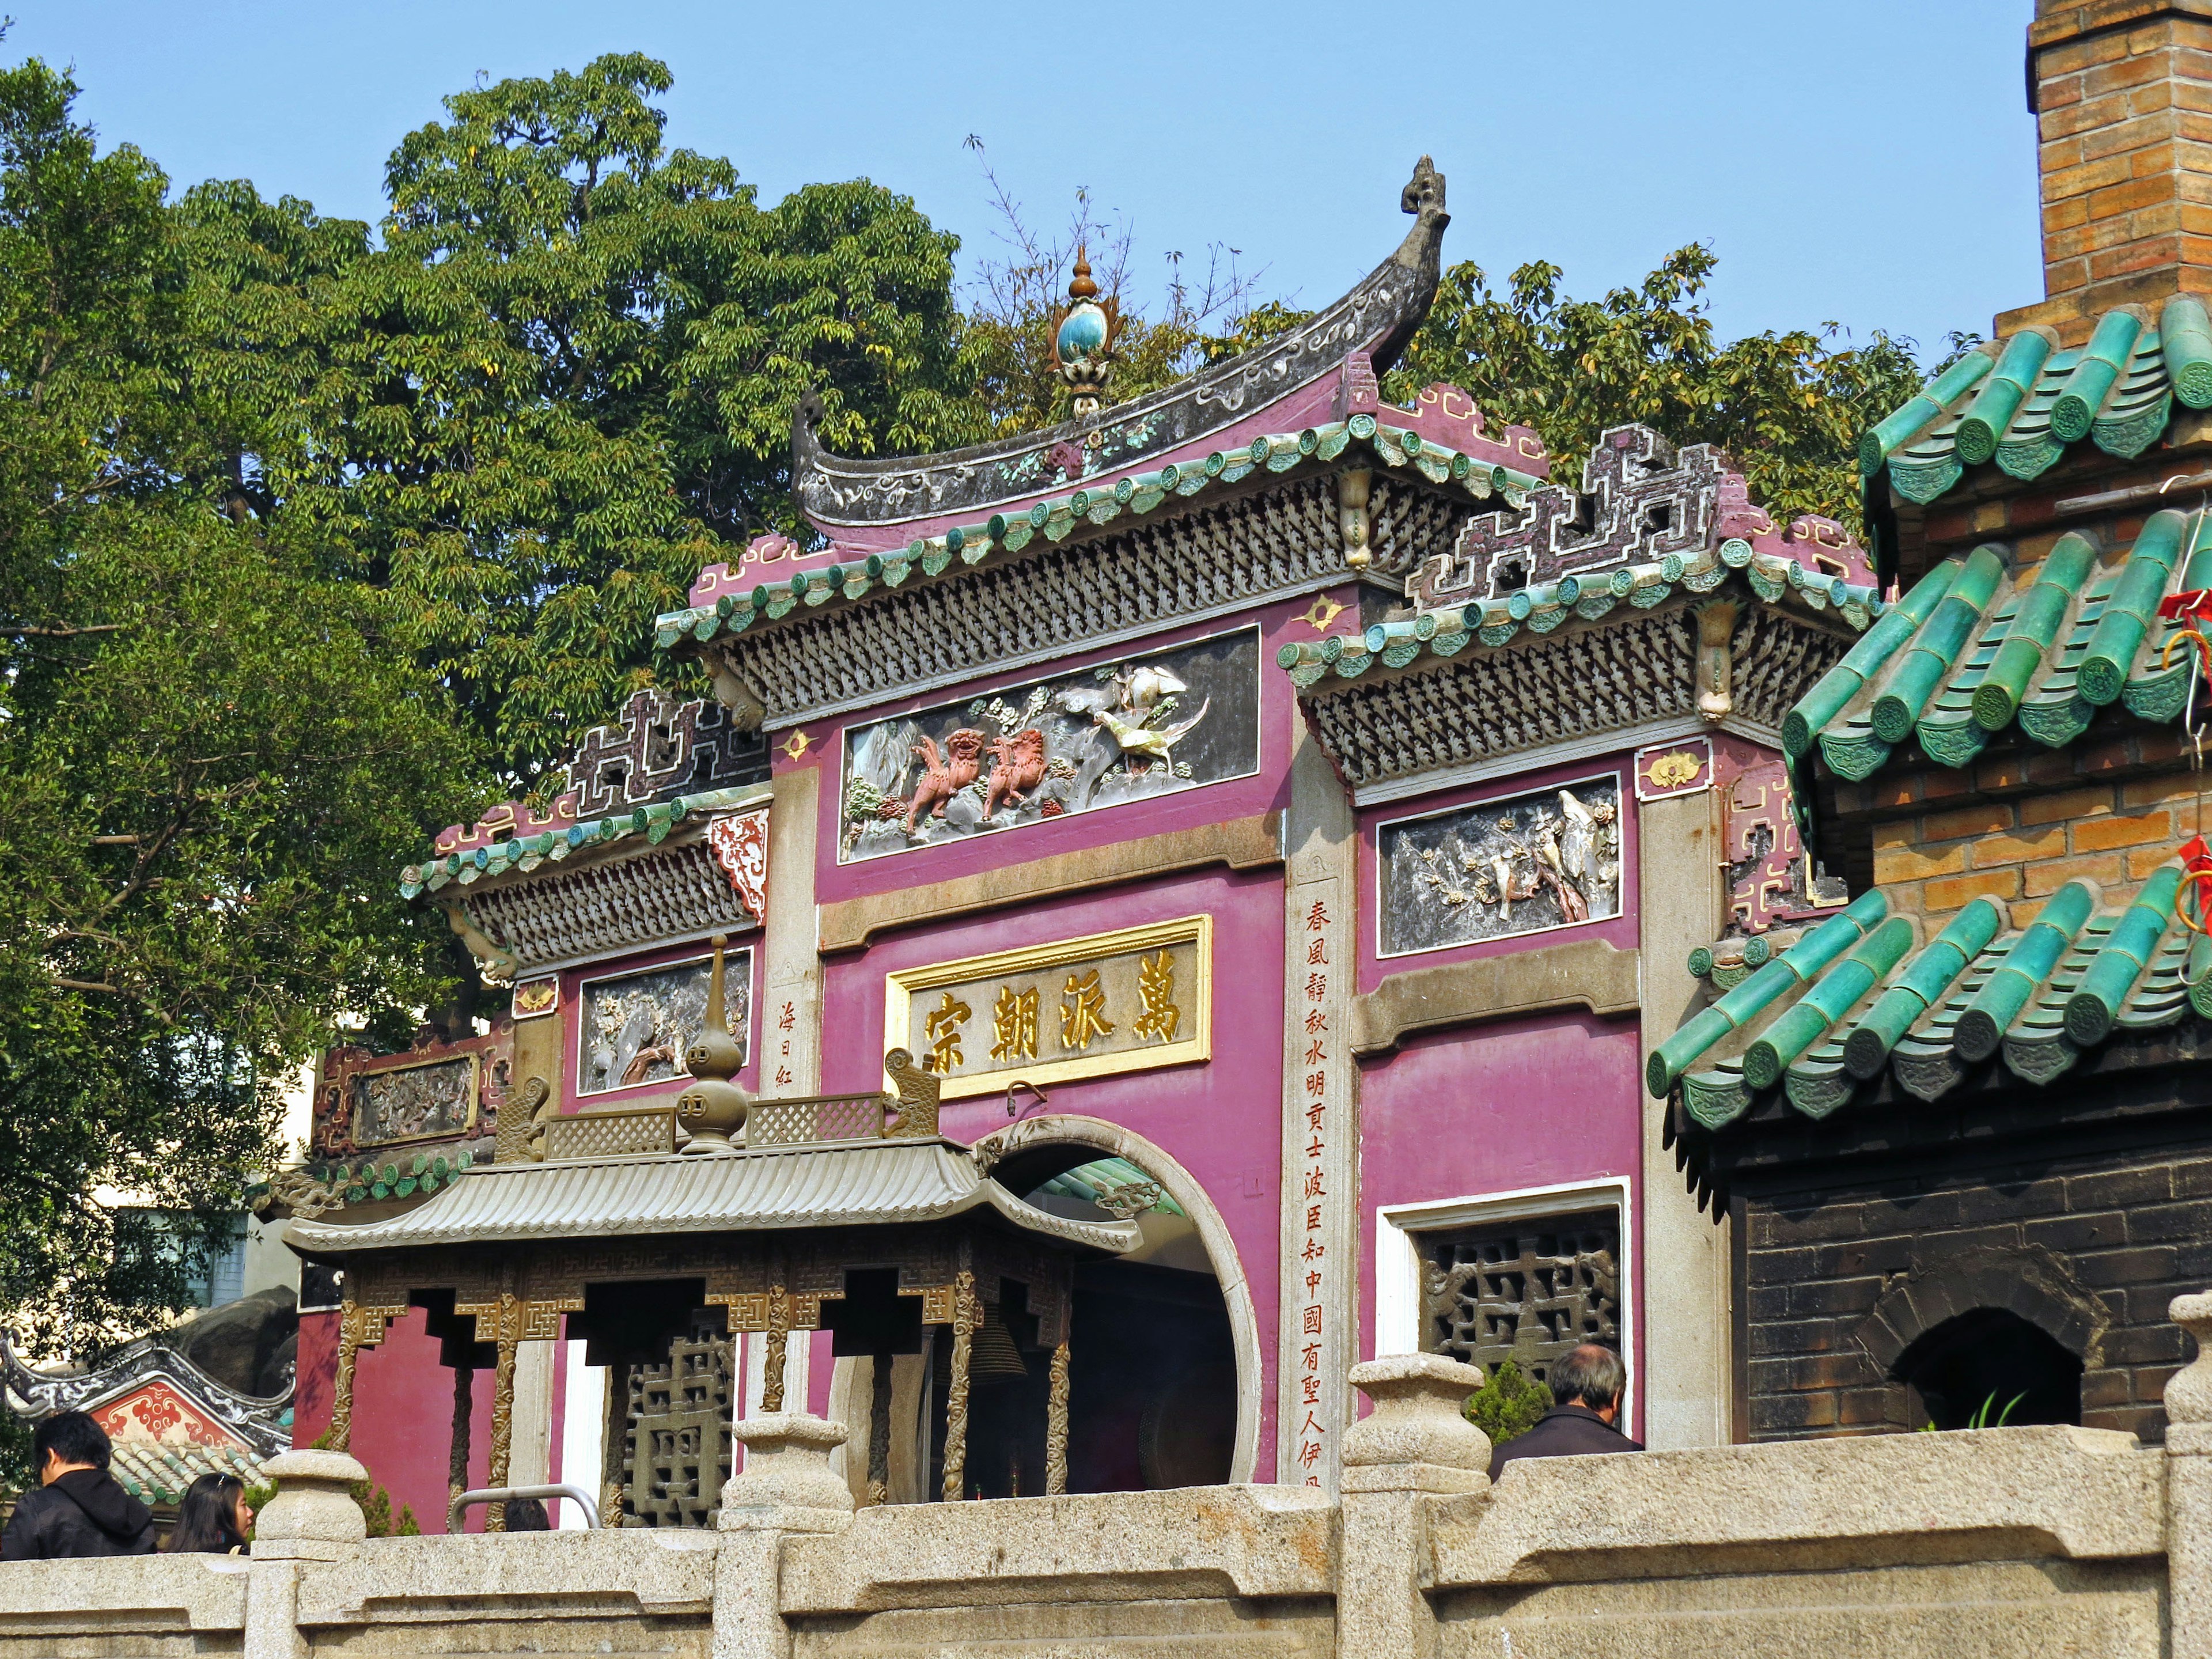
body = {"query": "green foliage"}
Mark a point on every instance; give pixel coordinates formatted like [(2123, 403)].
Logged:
[(1508, 1403), (1787, 408), (212, 757), (566, 381)]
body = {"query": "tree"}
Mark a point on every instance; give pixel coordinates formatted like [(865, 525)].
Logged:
[(565, 382), (1787, 408), (213, 757)]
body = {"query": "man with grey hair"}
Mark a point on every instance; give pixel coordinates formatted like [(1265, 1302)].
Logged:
[(1587, 1385)]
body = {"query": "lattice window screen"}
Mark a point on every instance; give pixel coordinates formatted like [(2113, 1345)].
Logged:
[(1524, 1290), (677, 1448)]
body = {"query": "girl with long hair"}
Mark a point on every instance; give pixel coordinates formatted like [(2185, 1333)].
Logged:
[(214, 1518)]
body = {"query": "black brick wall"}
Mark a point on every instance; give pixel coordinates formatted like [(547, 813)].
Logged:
[(2132, 1224)]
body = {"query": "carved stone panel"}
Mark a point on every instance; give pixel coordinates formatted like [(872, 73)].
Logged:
[(636, 1026), (434, 1092), (1524, 864), (1149, 726), (677, 1443), (1529, 1291)]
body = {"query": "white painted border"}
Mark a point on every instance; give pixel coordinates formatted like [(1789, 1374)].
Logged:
[(1259, 736), (1620, 799), (1398, 1266)]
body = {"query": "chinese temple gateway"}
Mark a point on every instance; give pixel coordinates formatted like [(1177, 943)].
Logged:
[(1258, 878), (1155, 912)]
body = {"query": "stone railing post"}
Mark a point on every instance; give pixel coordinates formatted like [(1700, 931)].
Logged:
[(313, 1518), (786, 1485), (2189, 1487), (1414, 1446)]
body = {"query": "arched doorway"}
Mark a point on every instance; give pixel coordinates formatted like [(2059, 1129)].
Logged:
[(1165, 1371), (1989, 1367)]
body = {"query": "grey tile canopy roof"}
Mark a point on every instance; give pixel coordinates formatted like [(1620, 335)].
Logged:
[(851, 1184)]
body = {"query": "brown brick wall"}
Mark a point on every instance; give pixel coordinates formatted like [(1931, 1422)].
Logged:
[(2124, 100), (2136, 1232), (2017, 826)]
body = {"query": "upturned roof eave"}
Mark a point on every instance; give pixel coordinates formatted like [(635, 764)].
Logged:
[(873, 503), (1082, 514)]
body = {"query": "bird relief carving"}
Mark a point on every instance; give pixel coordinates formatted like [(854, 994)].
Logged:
[(1125, 731), (1551, 859)]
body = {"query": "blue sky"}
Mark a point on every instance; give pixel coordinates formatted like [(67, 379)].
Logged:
[(1870, 162)]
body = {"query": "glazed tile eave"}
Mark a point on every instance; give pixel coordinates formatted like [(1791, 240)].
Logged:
[(2022, 403), (1978, 649), (860, 1183), (1054, 519), (1488, 623), (1940, 1009)]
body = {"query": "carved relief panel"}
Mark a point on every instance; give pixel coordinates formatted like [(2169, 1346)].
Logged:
[(636, 1027), (1151, 724), (1523, 864)]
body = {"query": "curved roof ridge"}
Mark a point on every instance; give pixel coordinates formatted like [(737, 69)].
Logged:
[(1378, 315)]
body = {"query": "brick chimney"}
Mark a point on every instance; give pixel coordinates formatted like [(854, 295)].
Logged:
[(2122, 93)]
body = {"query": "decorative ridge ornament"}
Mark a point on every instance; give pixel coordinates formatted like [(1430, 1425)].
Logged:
[(713, 1108), (1086, 336), (1379, 315)]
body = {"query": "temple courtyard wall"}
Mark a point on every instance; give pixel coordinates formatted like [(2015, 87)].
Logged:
[(1991, 1542)]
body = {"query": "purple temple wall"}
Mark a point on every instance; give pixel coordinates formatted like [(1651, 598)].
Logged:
[(1496, 1109), (1220, 1119)]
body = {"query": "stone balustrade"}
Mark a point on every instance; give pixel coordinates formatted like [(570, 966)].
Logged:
[(1988, 1543)]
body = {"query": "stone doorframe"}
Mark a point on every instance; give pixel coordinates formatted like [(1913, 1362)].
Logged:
[(1111, 1139)]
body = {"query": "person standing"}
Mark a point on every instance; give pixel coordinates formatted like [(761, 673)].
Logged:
[(1588, 1384), (79, 1509), (214, 1518)]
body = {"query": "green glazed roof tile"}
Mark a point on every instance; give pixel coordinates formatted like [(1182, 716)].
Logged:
[(1098, 503), (2158, 980), (2172, 553), (1926, 445)]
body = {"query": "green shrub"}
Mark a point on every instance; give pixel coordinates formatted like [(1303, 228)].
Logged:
[(1509, 1404)]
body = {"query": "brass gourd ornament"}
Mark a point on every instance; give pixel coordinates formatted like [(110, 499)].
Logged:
[(713, 1109)]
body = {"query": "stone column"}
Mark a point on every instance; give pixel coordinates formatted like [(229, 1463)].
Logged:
[(786, 1486), (791, 974), (531, 1457), (2189, 1487), (1686, 1384), (1415, 1445), (1318, 1305), (313, 1518)]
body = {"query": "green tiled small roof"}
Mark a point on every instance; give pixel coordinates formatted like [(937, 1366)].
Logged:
[(158, 1473), (1974, 649), (1540, 609), (1854, 997), (2023, 402), (1057, 517), (527, 853)]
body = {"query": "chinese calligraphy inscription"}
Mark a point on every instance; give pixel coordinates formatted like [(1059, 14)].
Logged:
[(1129, 1001)]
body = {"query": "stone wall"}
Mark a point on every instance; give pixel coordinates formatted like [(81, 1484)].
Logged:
[(1990, 1543)]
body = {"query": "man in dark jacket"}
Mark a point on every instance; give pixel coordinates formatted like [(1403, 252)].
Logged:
[(1587, 1385), (78, 1508)]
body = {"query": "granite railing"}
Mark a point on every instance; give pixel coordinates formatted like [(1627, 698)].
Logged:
[(1989, 1543)]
